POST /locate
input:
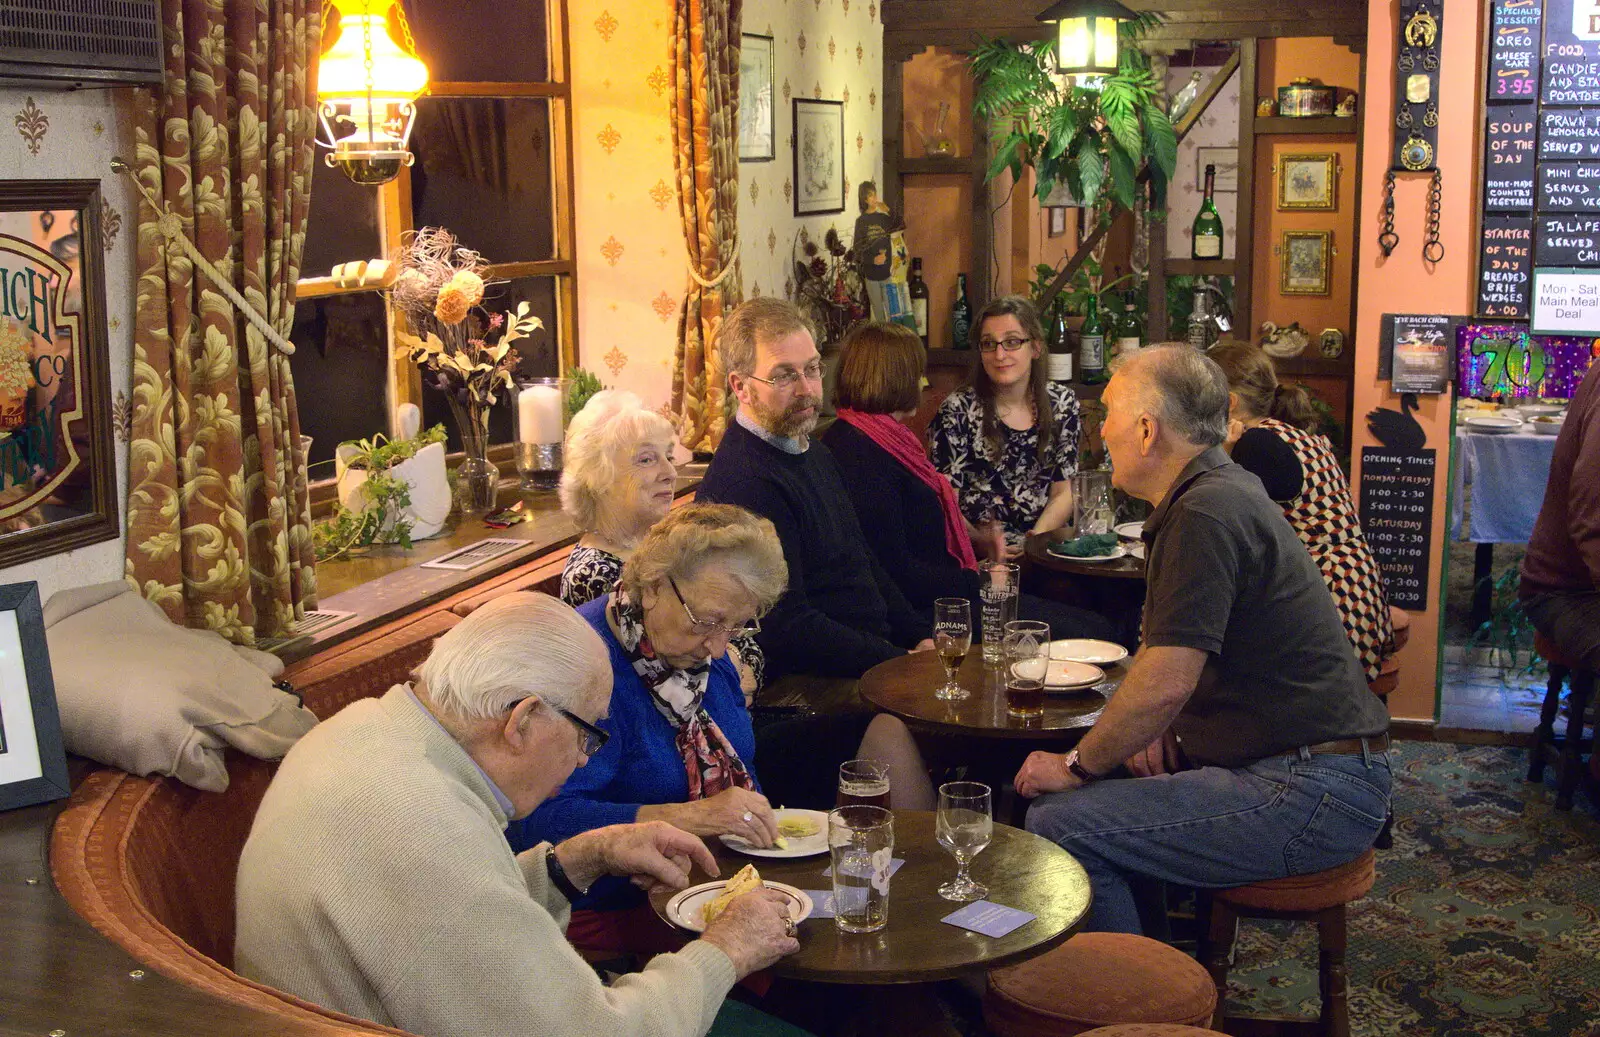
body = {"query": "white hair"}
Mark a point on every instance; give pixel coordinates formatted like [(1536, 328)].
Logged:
[(611, 425), (514, 646)]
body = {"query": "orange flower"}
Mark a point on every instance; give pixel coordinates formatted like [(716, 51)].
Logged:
[(453, 304)]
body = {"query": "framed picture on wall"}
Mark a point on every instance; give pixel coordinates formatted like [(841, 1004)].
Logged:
[(57, 472), (1226, 160), (818, 157), (1307, 182), (1306, 255), (1058, 221), (33, 764), (756, 112)]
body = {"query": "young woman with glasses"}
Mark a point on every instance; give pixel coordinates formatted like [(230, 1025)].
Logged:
[(1008, 441)]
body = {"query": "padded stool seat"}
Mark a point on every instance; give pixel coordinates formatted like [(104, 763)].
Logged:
[(1096, 980), (1152, 1030), (1321, 898), (1565, 754)]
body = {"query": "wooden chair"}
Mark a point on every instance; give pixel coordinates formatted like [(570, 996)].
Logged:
[(1319, 898), (1564, 754)]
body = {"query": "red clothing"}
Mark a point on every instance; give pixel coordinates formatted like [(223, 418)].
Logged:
[(1564, 552)]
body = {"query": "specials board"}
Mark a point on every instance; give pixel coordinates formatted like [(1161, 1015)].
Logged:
[(1567, 240), (1508, 159), (1565, 133), (1571, 55), (1505, 266), (1514, 50), (1397, 519), (1569, 187)]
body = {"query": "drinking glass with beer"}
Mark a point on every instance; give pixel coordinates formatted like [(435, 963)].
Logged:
[(1027, 659), (952, 638), (864, 782)]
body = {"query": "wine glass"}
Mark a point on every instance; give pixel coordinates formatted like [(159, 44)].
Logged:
[(964, 826), (952, 637)]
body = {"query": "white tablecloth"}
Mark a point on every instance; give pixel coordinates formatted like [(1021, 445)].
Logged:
[(1505, 475)]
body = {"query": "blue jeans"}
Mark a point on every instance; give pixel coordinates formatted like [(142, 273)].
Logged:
[(1214, 828)]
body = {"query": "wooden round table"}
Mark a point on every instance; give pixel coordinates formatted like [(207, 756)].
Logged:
[(904, 686), (1021, 870), (1128, 567)]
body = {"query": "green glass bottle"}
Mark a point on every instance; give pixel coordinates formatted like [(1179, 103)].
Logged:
[(1092, 345), (961, 316), (1206, 242), (1130, 334)]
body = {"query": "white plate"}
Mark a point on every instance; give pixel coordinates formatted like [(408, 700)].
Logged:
[(1492, 425), (1114, 553), (1537, 410), (687, 908), (1129, 530), (1064, 673), (1137, 550), (809, 846), (1088, 650), (1545, 428)]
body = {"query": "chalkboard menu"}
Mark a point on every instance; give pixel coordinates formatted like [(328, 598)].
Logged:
[(1566, 133), (1397, 518), (1508, 159), (1569, 187), (1567, 240), (1505, 266), (1571, 53), (1514, 50)]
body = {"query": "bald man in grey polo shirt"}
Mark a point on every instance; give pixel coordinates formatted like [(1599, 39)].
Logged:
[(1258, 750)]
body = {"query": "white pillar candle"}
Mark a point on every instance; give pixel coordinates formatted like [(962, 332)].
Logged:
[(539, 414)]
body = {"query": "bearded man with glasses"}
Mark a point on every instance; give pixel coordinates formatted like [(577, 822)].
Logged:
[(842, 614)]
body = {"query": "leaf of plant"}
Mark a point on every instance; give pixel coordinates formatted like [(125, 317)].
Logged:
[(1161, 140), (1091, 169), (1004, 155), (1124, 175)]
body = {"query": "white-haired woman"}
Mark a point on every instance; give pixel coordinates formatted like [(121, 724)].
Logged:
[(617, 482), (682, 746)]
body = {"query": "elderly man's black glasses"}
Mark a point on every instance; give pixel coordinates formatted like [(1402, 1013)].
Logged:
[(594, 738)]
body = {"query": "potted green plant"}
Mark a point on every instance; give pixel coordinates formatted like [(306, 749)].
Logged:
[(391, 491)]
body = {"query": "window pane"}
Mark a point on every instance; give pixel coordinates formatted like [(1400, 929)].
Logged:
[(483, 171), (481, 41), (538, 354), (340, 367), (343, 222)]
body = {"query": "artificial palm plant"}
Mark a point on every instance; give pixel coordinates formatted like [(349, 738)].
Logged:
[(1097, 140)]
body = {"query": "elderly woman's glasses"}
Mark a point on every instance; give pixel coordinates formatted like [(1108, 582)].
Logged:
[(787, 379), (1010, 345), (705, 629)]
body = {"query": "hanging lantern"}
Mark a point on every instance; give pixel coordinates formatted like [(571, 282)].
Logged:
[(367, 85), (1086, 44)]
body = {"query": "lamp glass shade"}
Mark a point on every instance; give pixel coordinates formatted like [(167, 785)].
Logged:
[(342, 71), (1087, 45)]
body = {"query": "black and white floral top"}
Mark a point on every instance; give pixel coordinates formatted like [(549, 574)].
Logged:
[(591, 573), (1015, 487)]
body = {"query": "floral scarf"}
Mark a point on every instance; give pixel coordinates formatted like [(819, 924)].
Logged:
[(709, 759)]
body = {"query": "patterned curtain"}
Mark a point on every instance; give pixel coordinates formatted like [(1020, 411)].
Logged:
[(705, 138), (218, 516)]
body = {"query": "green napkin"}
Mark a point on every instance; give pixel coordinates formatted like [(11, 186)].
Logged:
[(1091, 546)]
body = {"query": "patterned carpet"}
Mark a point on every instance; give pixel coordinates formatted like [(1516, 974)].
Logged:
[(1485, 920)]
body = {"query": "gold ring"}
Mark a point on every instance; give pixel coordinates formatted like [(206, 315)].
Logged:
[(788, 927)]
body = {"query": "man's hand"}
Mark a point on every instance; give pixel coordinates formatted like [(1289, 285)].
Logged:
[(1159, 757), (989, 540), (1044, 772), (651, 854), (925, 645), (753, 931), (722, 814)]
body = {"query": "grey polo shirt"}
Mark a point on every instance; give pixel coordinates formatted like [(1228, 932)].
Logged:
[(1228, 576)]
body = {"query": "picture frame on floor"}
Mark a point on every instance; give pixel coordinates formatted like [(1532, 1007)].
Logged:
[(33, 761), (818, 157), (756, 110)]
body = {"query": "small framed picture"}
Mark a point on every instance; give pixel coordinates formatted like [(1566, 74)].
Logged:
[(818, 157), (1308, 182), (1058, 220), (756, 112), (33, 764), (1227, 162), (1306, 256)]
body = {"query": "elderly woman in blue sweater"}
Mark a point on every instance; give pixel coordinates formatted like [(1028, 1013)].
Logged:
[(682, 747)]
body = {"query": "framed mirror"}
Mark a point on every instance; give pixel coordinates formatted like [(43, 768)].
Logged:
[(57, 473)]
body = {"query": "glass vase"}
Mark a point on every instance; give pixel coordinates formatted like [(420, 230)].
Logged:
[(477, 480)]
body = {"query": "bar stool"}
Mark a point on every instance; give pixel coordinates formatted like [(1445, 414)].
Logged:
[(1096, 980), (1319, 898), (1564, 754)]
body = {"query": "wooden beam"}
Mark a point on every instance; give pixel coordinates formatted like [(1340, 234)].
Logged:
[(1209, 94), (1243, 226)]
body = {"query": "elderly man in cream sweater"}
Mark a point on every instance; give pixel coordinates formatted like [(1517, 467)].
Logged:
[(377, 880)]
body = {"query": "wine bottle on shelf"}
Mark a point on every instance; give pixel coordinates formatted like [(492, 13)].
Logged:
[(1060, 344), (1207, 238), (917, 288), (961, 316), (1199, 328), (1092, 345), (1130, 336)]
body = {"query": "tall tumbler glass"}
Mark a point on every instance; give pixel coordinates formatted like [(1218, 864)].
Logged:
[(1092, 509), (861, 839), (1027, 648), (998, 586)]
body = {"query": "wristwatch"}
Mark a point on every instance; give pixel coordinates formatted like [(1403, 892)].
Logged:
[(1078, 770), (560, 879)]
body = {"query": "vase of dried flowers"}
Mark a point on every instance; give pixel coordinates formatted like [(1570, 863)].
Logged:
[(464, 351)]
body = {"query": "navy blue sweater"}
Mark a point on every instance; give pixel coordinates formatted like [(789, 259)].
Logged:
[(842, 614)]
